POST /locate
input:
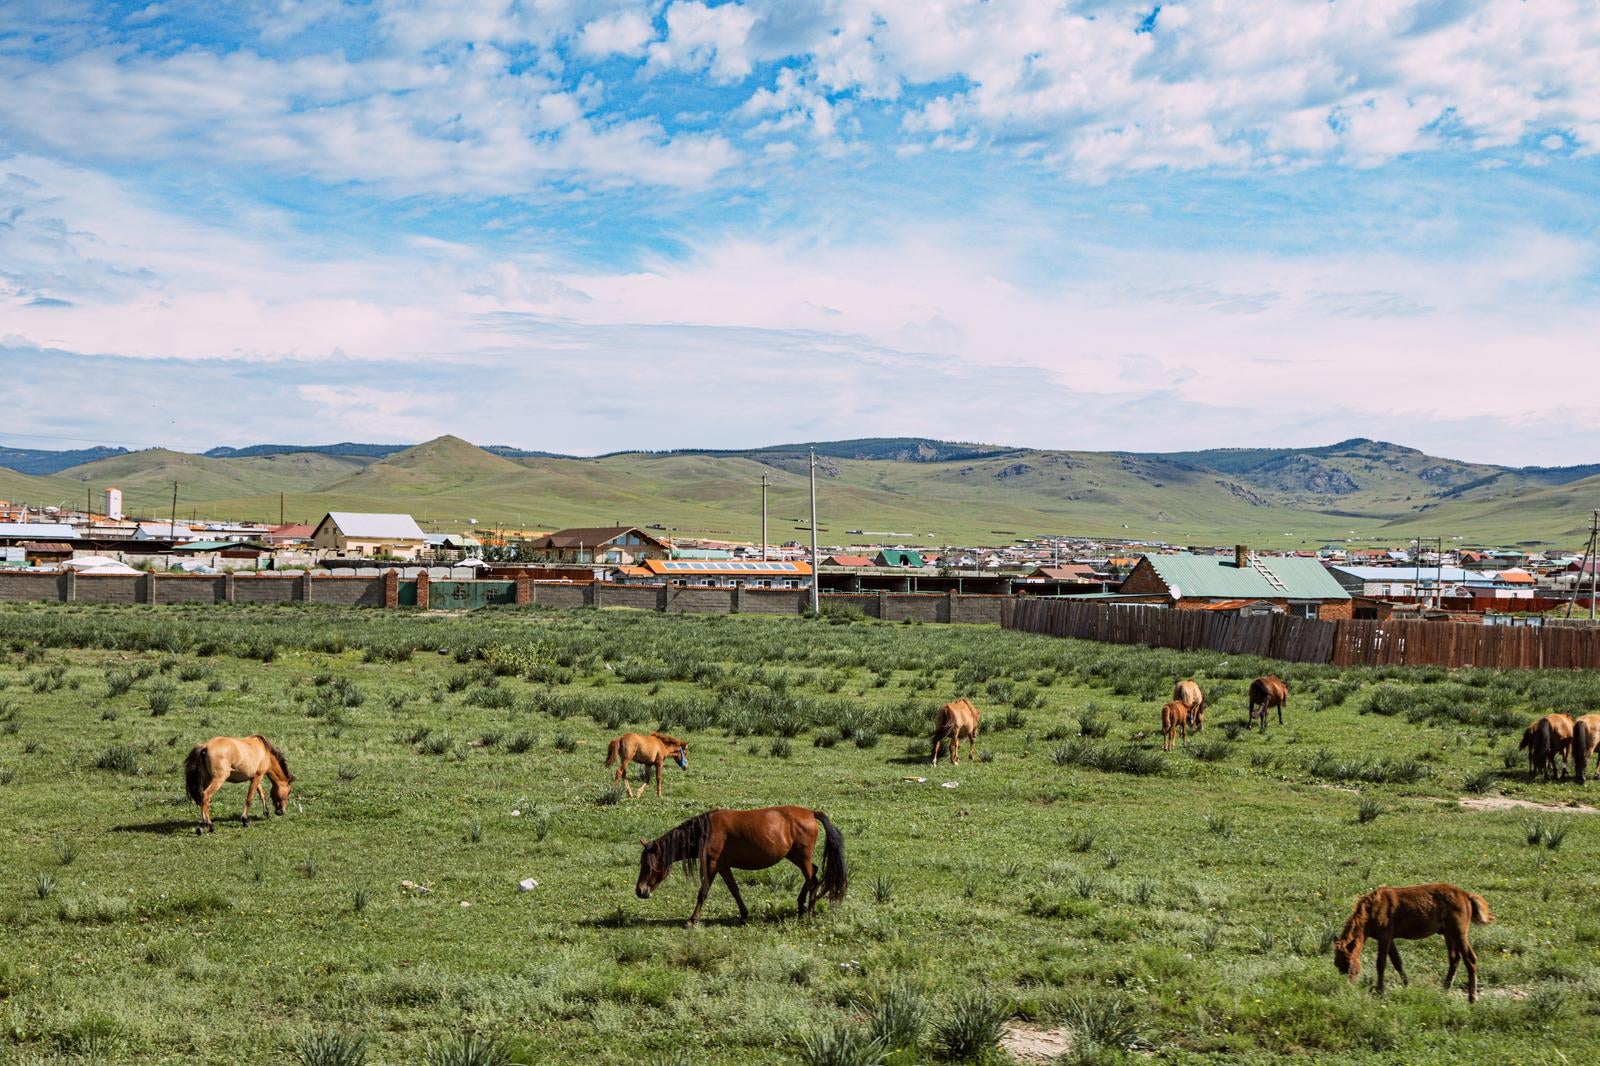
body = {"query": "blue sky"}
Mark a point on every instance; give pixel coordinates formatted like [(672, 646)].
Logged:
[(585, 226)]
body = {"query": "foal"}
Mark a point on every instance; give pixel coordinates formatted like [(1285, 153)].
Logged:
[(1176, 721), (1413, 913)]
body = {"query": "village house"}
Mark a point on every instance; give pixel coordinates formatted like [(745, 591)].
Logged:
[(724, 573), (353, 534), (1242, 582), (613, 545)]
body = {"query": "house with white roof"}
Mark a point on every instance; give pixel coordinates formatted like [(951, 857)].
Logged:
[(369, 536)]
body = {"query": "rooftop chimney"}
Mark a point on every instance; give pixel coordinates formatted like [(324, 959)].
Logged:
[(1241, 555)]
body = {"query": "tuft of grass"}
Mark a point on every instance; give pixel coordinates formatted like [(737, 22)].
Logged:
[(968, 1030), (564, 744), (469, 1050), (43, 885), (897, 1017), (1480, 782), (1219, 824), (1368, 810), (1101, 1024), (883, 889), (330, 1049), (119, 758), (840, 1045), (360, 897), (611, 795)]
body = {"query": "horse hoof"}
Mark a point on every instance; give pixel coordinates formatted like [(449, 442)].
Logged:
[(199, 830)]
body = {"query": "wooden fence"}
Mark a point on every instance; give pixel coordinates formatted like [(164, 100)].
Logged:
[(1308, 640)]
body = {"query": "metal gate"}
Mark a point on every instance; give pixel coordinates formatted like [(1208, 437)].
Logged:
[(452, 595)]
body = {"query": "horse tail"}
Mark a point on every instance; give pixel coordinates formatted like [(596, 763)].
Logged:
[(1544, 747), (1480, 909), (197, 773), (611, 752), (835, 875), (1527, 739)]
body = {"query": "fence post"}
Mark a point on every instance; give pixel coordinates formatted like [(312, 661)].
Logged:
[(524, 590), (391, 587), (733, 599), (147, 587), (422, 589), (69, 587), (228, 589), (303, 587)]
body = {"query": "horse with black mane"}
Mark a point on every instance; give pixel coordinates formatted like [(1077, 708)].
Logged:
[(223, 759), (1585, 739), (722, 840), (1547, 741)]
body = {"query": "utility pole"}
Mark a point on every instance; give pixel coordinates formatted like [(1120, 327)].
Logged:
[(763, 518), (173, 532), (1594, 564), (280, 508), (816, 598)]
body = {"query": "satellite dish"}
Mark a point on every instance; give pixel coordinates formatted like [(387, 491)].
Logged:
[(1177, 593)]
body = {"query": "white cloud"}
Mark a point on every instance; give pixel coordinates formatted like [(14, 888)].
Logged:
[(700, 37), (623, 33)]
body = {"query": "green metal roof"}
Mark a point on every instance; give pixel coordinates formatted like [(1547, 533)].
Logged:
[(1215, 577), (900, 557), (218, 545)]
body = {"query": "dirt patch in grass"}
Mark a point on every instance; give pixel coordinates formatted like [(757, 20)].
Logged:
[(1033, 1044), (1506, 803)]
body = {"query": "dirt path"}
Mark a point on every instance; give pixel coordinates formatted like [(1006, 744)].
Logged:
[(1032, 1044), (1506, 803)]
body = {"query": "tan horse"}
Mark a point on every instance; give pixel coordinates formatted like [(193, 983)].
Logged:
[(1414, 913), (1266, 693), (1548, 740), (653, 750), (722, 841), (1585, 739), (1188, 693), (1176, 722), (223, 759), (958, 721)]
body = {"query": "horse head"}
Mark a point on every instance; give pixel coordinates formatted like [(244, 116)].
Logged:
[(280, 794), (653, 869), (682, 755), (1197, 717), (1347, 957)]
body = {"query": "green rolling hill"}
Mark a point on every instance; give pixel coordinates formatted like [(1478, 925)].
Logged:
[(914, 490)]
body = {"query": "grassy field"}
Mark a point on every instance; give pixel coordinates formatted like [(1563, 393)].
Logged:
[(1074, 878)]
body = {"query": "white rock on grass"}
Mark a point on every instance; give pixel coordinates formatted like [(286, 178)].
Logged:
[(527, 884)]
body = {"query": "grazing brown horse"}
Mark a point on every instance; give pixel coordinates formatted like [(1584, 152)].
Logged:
[(1585, 739), (653, 750), (1414, 913), (223, 759), (1266, 693), (1547, 740), (958, 721), (1176, 722), (1188, 693), (722, 841)]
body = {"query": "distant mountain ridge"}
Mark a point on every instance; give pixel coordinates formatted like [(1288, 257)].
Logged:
[(912, 489), (41, 462)]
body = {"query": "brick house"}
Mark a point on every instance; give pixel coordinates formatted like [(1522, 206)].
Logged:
[(1297, 586)]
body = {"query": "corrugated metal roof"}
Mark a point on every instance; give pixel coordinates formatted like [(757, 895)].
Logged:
[(375, 526), (1410, 575), (757, 568), (1216, 577), (38, 530)]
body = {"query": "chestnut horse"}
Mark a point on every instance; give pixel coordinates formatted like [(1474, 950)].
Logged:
[(1266, 693), (1547, 740), (653, 750), (957, 720), (1414, 913), (721, 841), (223, 759), (1585, 739), (1176, 721), (1188, 693)]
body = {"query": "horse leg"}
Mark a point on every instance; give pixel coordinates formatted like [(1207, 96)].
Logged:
[(727, 879), (938, 739), (254, 787), (807, 903), (205, 801), (1471, 958), (1399, 967), (659, 763), (1383, 958), (972, 741), (708, 870), (1455, 959)]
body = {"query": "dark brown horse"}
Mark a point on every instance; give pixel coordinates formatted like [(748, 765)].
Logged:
[(1585, 739), (721, 841), (1266, 693), (222, 759), (1414, 913)]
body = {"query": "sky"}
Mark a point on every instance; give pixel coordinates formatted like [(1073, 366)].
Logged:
[(585, 227)]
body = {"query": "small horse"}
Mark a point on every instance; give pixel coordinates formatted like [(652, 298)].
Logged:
[(1585, 739), (653, 750), (1413, 913), (1176, 721), (957, 720), (1266, 693), (721, 841), (223, 759), (1547, 740), (1188, 693)]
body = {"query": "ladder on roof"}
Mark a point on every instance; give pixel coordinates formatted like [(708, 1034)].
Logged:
[(1261, 568)]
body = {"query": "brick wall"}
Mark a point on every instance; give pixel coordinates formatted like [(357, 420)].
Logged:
[(1336, 609), (264, 589), (558, 595), (774, 601), (107, 588), (188, 588), (1144, 580), (640, 597), (683, 598)]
